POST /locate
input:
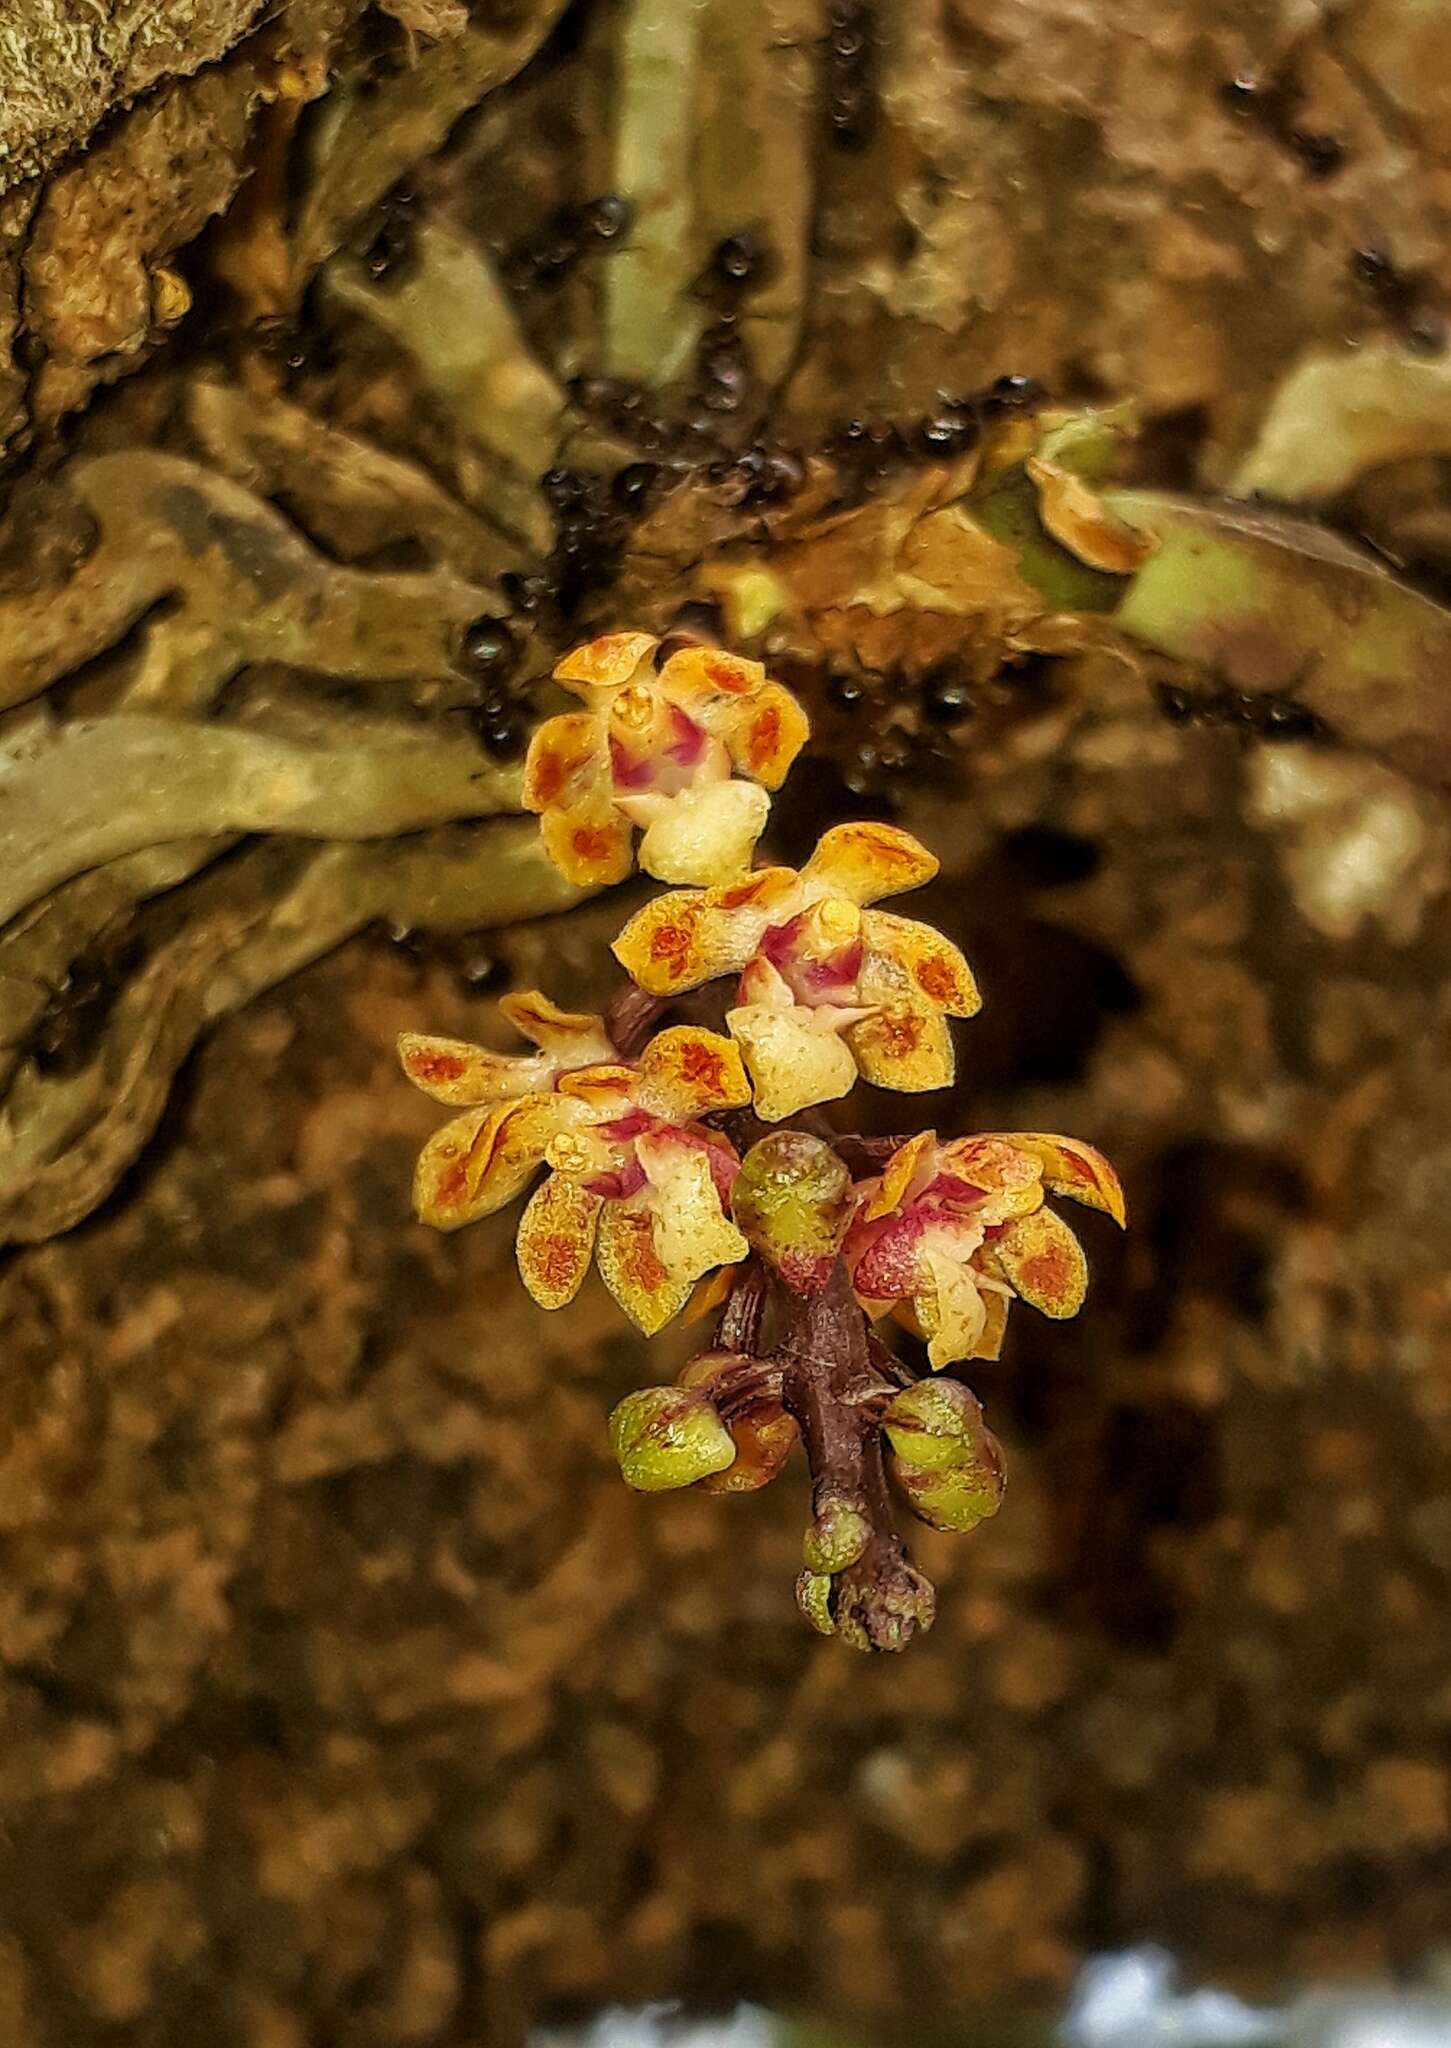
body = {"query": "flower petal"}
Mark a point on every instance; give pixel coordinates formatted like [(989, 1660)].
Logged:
[(556, 1240), (898, 1174), (1009, 1179), (566, 756), (481, 1160), (766, 734), (930, 965), (950, 1309), (575, 1038), (706, 834), (605, 1090), (605, 664), (698, 678), (905, 1045), (791, 1064), (454, 1071), (1045, 1263), (633, 1270), (692, 1231), (1073, 1168), (589, 842), (687, 1072), (865, 861), (995, 1324), (688, 936)]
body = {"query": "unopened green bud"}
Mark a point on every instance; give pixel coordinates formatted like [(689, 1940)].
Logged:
[(813, 1597), (836, 1538), (936, 1425), (959, 1497), (668, 1436), (793, 1199)]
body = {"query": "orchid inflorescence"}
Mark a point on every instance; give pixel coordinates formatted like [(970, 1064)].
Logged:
[(666, 1156)]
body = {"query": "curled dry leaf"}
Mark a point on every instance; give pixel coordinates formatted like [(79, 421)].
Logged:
[(1079, 520)]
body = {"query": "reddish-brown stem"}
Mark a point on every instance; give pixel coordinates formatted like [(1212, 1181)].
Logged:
[(833, 1387), (631, 1018)]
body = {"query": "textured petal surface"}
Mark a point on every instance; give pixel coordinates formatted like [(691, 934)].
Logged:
[(707, 834), (898, 1174), (452, 1070), (765, 734), (906, 1045), (1073, 1168), (589, 842), (692, 935), (692, 1232), (1044, 1261), (929, 965), (791, 1064), (481, 1160), (700, 678), (556, 1240), (567, 756), (1008, 1178), (605, 664), (633, 1270), (576, 1038), (687, 1072), (949, 1306), (866, 861)]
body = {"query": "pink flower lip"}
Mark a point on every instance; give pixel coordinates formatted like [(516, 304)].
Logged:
[(637, 772), (614, 1187)]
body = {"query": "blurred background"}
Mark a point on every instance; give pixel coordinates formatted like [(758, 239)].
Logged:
[(354, 362)]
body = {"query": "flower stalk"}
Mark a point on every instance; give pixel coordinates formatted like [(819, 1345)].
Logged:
[(692, 1164)]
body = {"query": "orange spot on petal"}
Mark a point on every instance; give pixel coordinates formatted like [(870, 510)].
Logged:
[(739, 894), (704, 1068), (593, 842), (435, 1066), (555, 1259), (936, 979), (765, 737), (736, 677), (672, 944), (899, 1032)]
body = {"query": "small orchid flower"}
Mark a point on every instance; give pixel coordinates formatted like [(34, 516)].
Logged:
[(636, 1181), (660, 751), (828, 989), (463, 1075), (957, 1230)]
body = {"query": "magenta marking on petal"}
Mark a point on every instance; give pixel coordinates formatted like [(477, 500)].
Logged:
[(688, 740), (778, 942), (834, 975), (724, 1166), (887, 1266), (615, 1187), (630, 772), (633, 1124)]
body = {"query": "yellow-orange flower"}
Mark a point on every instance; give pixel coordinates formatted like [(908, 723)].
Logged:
[(958, 1230), (636, 1181), (828, 989), (663, 751)]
